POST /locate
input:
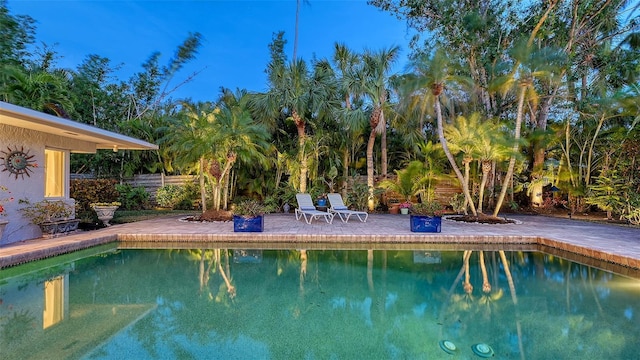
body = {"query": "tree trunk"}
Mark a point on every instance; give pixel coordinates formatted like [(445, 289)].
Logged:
[(486, 167), (300, 126), (345, 172), (370, 183), (383, 153), (452, 161), (539, 151), (203, 190), (516, 148)]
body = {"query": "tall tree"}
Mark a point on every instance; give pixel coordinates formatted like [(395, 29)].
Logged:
[(17, 32), (352, 119), (377, 66), (297, 93), (430, 76), (530, 64)]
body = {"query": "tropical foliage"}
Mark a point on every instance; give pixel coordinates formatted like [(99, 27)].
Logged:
[(500, 89)]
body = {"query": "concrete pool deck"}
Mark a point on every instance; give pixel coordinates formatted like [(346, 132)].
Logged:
[(582, 241)]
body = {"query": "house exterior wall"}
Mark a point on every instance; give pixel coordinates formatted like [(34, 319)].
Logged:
[(30, 187)]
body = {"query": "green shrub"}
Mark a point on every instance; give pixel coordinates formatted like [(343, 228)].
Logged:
[(169, 196), (249, 208), (87, 191), (133, 198), (429, 208), (45, 210)]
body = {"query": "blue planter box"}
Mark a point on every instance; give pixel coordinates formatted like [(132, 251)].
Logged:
[(248, 224), (424, 223)]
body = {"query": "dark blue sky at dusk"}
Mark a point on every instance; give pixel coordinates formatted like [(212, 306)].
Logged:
[(236, 35)]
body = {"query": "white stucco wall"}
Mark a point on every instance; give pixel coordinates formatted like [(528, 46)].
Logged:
[(29, 187)]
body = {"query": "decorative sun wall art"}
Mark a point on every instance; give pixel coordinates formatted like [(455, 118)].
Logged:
[(17, 162)]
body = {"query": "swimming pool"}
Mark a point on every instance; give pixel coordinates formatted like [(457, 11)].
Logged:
[(107, 303)]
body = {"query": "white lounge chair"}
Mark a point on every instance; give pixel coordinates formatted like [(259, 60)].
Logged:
[(338, 207), (307, 210)]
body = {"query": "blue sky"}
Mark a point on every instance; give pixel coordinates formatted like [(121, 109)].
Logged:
[(236, 34)]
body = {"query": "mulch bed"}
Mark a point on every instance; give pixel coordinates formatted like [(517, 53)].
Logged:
[(481, 219), (212, 215)]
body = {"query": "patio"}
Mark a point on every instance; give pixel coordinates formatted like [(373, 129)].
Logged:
[(581, 241)]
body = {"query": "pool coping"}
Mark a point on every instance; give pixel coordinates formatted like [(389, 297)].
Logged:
[(623, 256)]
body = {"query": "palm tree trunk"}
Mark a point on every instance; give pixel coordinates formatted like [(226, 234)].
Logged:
[(383, 153), (225, 198), (370, 184), (203, 190), (345, 172), (452, 161), (587, 175), (304, 168), (516, 147), (486, 167)]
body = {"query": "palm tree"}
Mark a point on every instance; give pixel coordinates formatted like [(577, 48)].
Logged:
[(408, 180), (38, 90), (490, 147), (237, 137), (299, 94), (431, 74), (189, 138), (290, 94), (433, 158), (462, 138), (352, 119), (374, 85), (530, 65)]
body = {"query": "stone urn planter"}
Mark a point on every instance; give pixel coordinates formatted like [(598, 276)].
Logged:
[(53, 217), (59, 227), (105, 211)]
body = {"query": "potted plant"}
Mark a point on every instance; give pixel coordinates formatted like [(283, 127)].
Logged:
[(105, 211), (404, 207), (426, 217), (52, 216), (248, 216), (322, 200), (406, 183)]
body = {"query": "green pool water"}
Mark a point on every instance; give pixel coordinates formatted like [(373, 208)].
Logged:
[(316, 304)]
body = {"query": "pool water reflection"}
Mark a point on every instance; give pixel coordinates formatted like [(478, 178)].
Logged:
[(317, 304)]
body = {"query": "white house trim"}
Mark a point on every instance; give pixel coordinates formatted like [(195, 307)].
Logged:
[(32, 132), (20, 117)]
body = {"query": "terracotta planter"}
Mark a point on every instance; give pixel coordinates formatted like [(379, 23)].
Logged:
[(394, 209), (425, 223), (248, 223)]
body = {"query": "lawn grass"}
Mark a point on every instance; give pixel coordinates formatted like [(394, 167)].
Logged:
[(129, 216)]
